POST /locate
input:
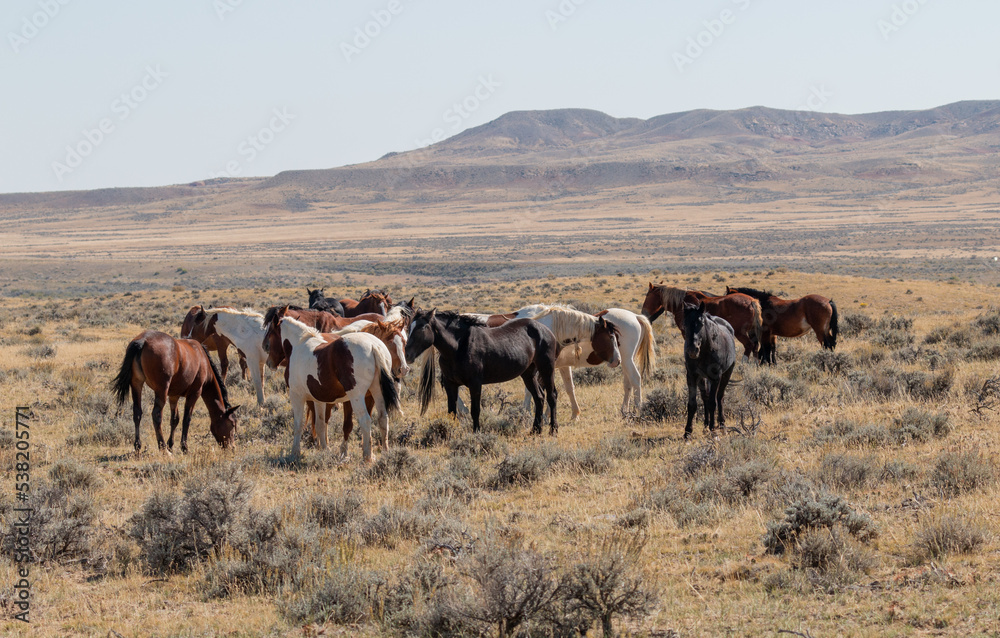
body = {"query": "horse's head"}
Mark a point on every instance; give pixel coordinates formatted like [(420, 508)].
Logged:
[(421, 334), (314, 295), (652, 305), (694, 329), (272, 344), (193, 325), (605, 343), (224, 430)]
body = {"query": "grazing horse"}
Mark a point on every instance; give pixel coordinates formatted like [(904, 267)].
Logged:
[(474, 355), (321, 320), (319, 302), (193, 328), (372, 301), (325, 369), (793, 318), (741, 311), (174, 368), (244, 329), (709, 358)]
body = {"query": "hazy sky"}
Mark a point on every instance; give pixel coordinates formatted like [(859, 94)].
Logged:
[(151, 93)]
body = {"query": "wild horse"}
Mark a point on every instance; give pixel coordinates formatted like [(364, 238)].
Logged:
[(193, 327), (474, 355), (372, 301), (741, 311), (317, 301), (709, 359), (174, 368), (793, 318), (244, 329)]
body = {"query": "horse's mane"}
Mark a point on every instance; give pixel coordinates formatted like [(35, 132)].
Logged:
[(398, 313), (451, 316), (308, 331), (673, 298), (272, 312), (218, 377), (763, 296), (569, 323), (246, 312)]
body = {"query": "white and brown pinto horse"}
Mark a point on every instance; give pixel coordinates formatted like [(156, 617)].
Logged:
[(193, 327), (244, 329), (325, 369)]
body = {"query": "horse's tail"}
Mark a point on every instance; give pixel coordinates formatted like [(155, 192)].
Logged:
[(390, 395), (428, 379), (218, 377), (647, 346), (830, 341), (122, 383), (756, 325)]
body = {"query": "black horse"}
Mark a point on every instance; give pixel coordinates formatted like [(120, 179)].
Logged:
[(709, 357), (318, 302), (474, 355)]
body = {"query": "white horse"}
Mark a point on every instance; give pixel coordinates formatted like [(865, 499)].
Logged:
[(245, 328), (321, 368), (570, 325)]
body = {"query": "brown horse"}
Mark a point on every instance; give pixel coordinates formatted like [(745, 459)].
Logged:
[(319, 319), (372, 301), (793, 318), (741, 311), (174, 368), (193, 327)]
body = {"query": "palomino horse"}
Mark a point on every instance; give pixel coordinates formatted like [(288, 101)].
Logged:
[(709, 358), (325, 369), (474, 355), (244, 329), (321, 320), (793, 318), (317, 301), (372, 301), (193, 328), (174, 368), (741, 311)]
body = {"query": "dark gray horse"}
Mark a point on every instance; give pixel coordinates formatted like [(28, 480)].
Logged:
[(317, 301), (709, 357), (474, 355)]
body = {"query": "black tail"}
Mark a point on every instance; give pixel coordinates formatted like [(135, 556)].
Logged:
[(389, 393), (830, 341), (121, 386), (218, 377), (427, 380)]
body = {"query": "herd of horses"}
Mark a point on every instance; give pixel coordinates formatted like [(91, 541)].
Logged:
[(357, 352)]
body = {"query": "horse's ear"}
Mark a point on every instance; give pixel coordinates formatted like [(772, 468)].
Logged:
[(433, 313), (701, 307), (410, 303), (650, 285), (231, 410), (308, 292)]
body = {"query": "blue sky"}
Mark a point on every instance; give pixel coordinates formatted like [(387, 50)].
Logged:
[(161, 93)]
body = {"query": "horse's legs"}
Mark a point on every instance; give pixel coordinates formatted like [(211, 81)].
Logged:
[(549, 385), (723, 383), (137, 411), (190, 401), (692, 383), (257, 377), (298, 409), (174, 419), (567, 376), (707, 401), (321, 425), (633, 384), (364, 423), (158, 402), (348, 428), (223, 359), (451, 390), (383, 418), (475, 403), (311, 419), (532, 387)]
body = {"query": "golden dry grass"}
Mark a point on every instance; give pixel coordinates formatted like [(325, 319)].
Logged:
[(712, 575)]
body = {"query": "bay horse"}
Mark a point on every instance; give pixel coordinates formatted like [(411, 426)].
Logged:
[(793, 318), (372, 301), (174, 368), (317, 301), (321, 320), (474, 355), (709, 359), (193, 328), (244, 329), (743, 312), (325, 369)]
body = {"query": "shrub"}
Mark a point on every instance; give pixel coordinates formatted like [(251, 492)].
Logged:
[(664, 404), (396, 464), (335, 511), (681, 507), (846, 470), (62, 525), (69, 474), (525, 466), (769, 390), (823, 512), (959, 472), (919, 426), (947, 535), (392, 523), (477, 444), (437, 431), (426, 602), (832, 362), (597, 375), (853, 324), (346, 595)]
